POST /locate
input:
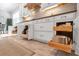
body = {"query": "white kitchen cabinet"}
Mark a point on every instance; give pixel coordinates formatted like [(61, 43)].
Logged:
[(76, 35), (30, 31), (20, 28), (43, 29), (47, 26), (43, 36)]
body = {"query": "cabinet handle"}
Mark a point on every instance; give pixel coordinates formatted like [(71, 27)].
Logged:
[(74, 42)]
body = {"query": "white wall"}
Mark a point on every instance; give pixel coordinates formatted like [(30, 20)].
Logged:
[(16, 17), (3, 16)]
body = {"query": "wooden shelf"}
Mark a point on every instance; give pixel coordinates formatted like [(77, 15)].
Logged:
[(63, 28), (63, 47)]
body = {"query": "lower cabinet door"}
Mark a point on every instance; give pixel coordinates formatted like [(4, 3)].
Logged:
[(43, 36), (20, 29), (30, 31)]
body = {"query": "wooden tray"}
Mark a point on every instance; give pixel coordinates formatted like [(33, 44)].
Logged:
[(63, 47)]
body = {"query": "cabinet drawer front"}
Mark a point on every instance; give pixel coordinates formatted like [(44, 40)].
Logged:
[(40, 21), (71, 16), (43, 36), (44, 26)]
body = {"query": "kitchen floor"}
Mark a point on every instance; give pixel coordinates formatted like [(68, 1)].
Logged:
[(40, 49)]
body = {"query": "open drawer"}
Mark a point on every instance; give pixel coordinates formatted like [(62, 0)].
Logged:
[(60, 46)]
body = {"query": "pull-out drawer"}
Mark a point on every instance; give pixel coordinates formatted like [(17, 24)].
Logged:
[(44, 26), (63, 47), (43, 36)]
